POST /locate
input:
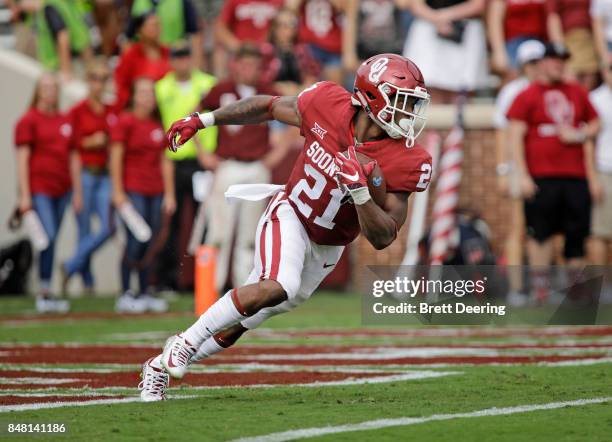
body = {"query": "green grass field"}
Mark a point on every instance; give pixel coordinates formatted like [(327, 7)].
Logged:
[(314, 373)]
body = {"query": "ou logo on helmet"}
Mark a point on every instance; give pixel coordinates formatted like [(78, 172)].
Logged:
[(377, 69)]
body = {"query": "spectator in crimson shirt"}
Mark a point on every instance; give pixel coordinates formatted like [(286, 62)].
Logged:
[(329, 27), (510, 23), (43, 141), (549, 123), (142, 175), (92, 120), (244, 155), (145, 58)]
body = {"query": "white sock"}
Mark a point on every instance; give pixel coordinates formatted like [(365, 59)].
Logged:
[(221, 315), (207, 349)]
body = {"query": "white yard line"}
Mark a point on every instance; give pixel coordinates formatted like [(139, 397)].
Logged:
[(409, 376), (38, 381), (40, 406), (403, 421), (576, 362), (74, 394)]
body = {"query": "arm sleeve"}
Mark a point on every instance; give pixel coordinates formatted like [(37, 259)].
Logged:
[(190, 17), (54, 19), (590, 111), (519, 110), (24, 132), (552, 6), (411, 173), (118, 131), (77, 135), (123, 80)]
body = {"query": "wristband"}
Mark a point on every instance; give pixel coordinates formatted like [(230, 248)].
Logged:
[(503, 169), (270, 103), (207, 119), (360, 195)]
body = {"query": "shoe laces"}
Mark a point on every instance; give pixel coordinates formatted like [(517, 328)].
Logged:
[(154, 381), (182, 351)]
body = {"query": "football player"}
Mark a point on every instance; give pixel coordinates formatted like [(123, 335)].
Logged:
[(323, 206)]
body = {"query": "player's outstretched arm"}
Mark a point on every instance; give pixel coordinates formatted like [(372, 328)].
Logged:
[(252, 110)]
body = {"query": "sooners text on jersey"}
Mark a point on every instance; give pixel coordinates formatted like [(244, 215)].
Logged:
[(327, 125)]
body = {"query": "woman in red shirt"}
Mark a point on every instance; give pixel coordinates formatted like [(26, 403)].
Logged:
[(145, 58), (91, 123), (43, 140), (143, 176)]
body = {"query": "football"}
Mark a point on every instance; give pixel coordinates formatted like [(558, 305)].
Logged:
[(376, 181)]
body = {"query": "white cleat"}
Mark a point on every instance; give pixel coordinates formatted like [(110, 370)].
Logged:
[(154, 383), (176, 355)]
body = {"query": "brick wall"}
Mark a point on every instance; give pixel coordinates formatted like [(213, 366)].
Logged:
[(478, 191)]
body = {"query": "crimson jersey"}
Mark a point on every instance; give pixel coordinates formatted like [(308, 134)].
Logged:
[(327, 125)]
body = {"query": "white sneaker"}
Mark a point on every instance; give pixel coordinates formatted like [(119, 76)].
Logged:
[(51, 305), (128, 303), (155, 304), (516, 299), (61, 305), (176, 355), (44, 305), (154, 383)]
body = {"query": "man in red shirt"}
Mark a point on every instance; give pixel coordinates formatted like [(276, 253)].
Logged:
[(244, 155), (325, 204), (549, 123)]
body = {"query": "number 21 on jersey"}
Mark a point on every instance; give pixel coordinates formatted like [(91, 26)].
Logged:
[(314, 192)]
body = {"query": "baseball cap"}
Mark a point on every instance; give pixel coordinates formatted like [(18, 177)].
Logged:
[(554, 50), (181, 49), (529, 51)]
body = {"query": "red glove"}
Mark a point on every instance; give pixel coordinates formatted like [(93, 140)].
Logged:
[(350, 171), (353, 175), (184, 129)]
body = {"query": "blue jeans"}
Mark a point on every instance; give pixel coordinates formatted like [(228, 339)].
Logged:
[(149, 207), (324, 57), (96, 199), (50, 210)]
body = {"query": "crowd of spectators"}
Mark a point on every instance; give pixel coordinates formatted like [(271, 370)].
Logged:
[(167, 58)]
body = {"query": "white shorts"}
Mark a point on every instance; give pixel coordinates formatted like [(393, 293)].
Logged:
[(285, 254)]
